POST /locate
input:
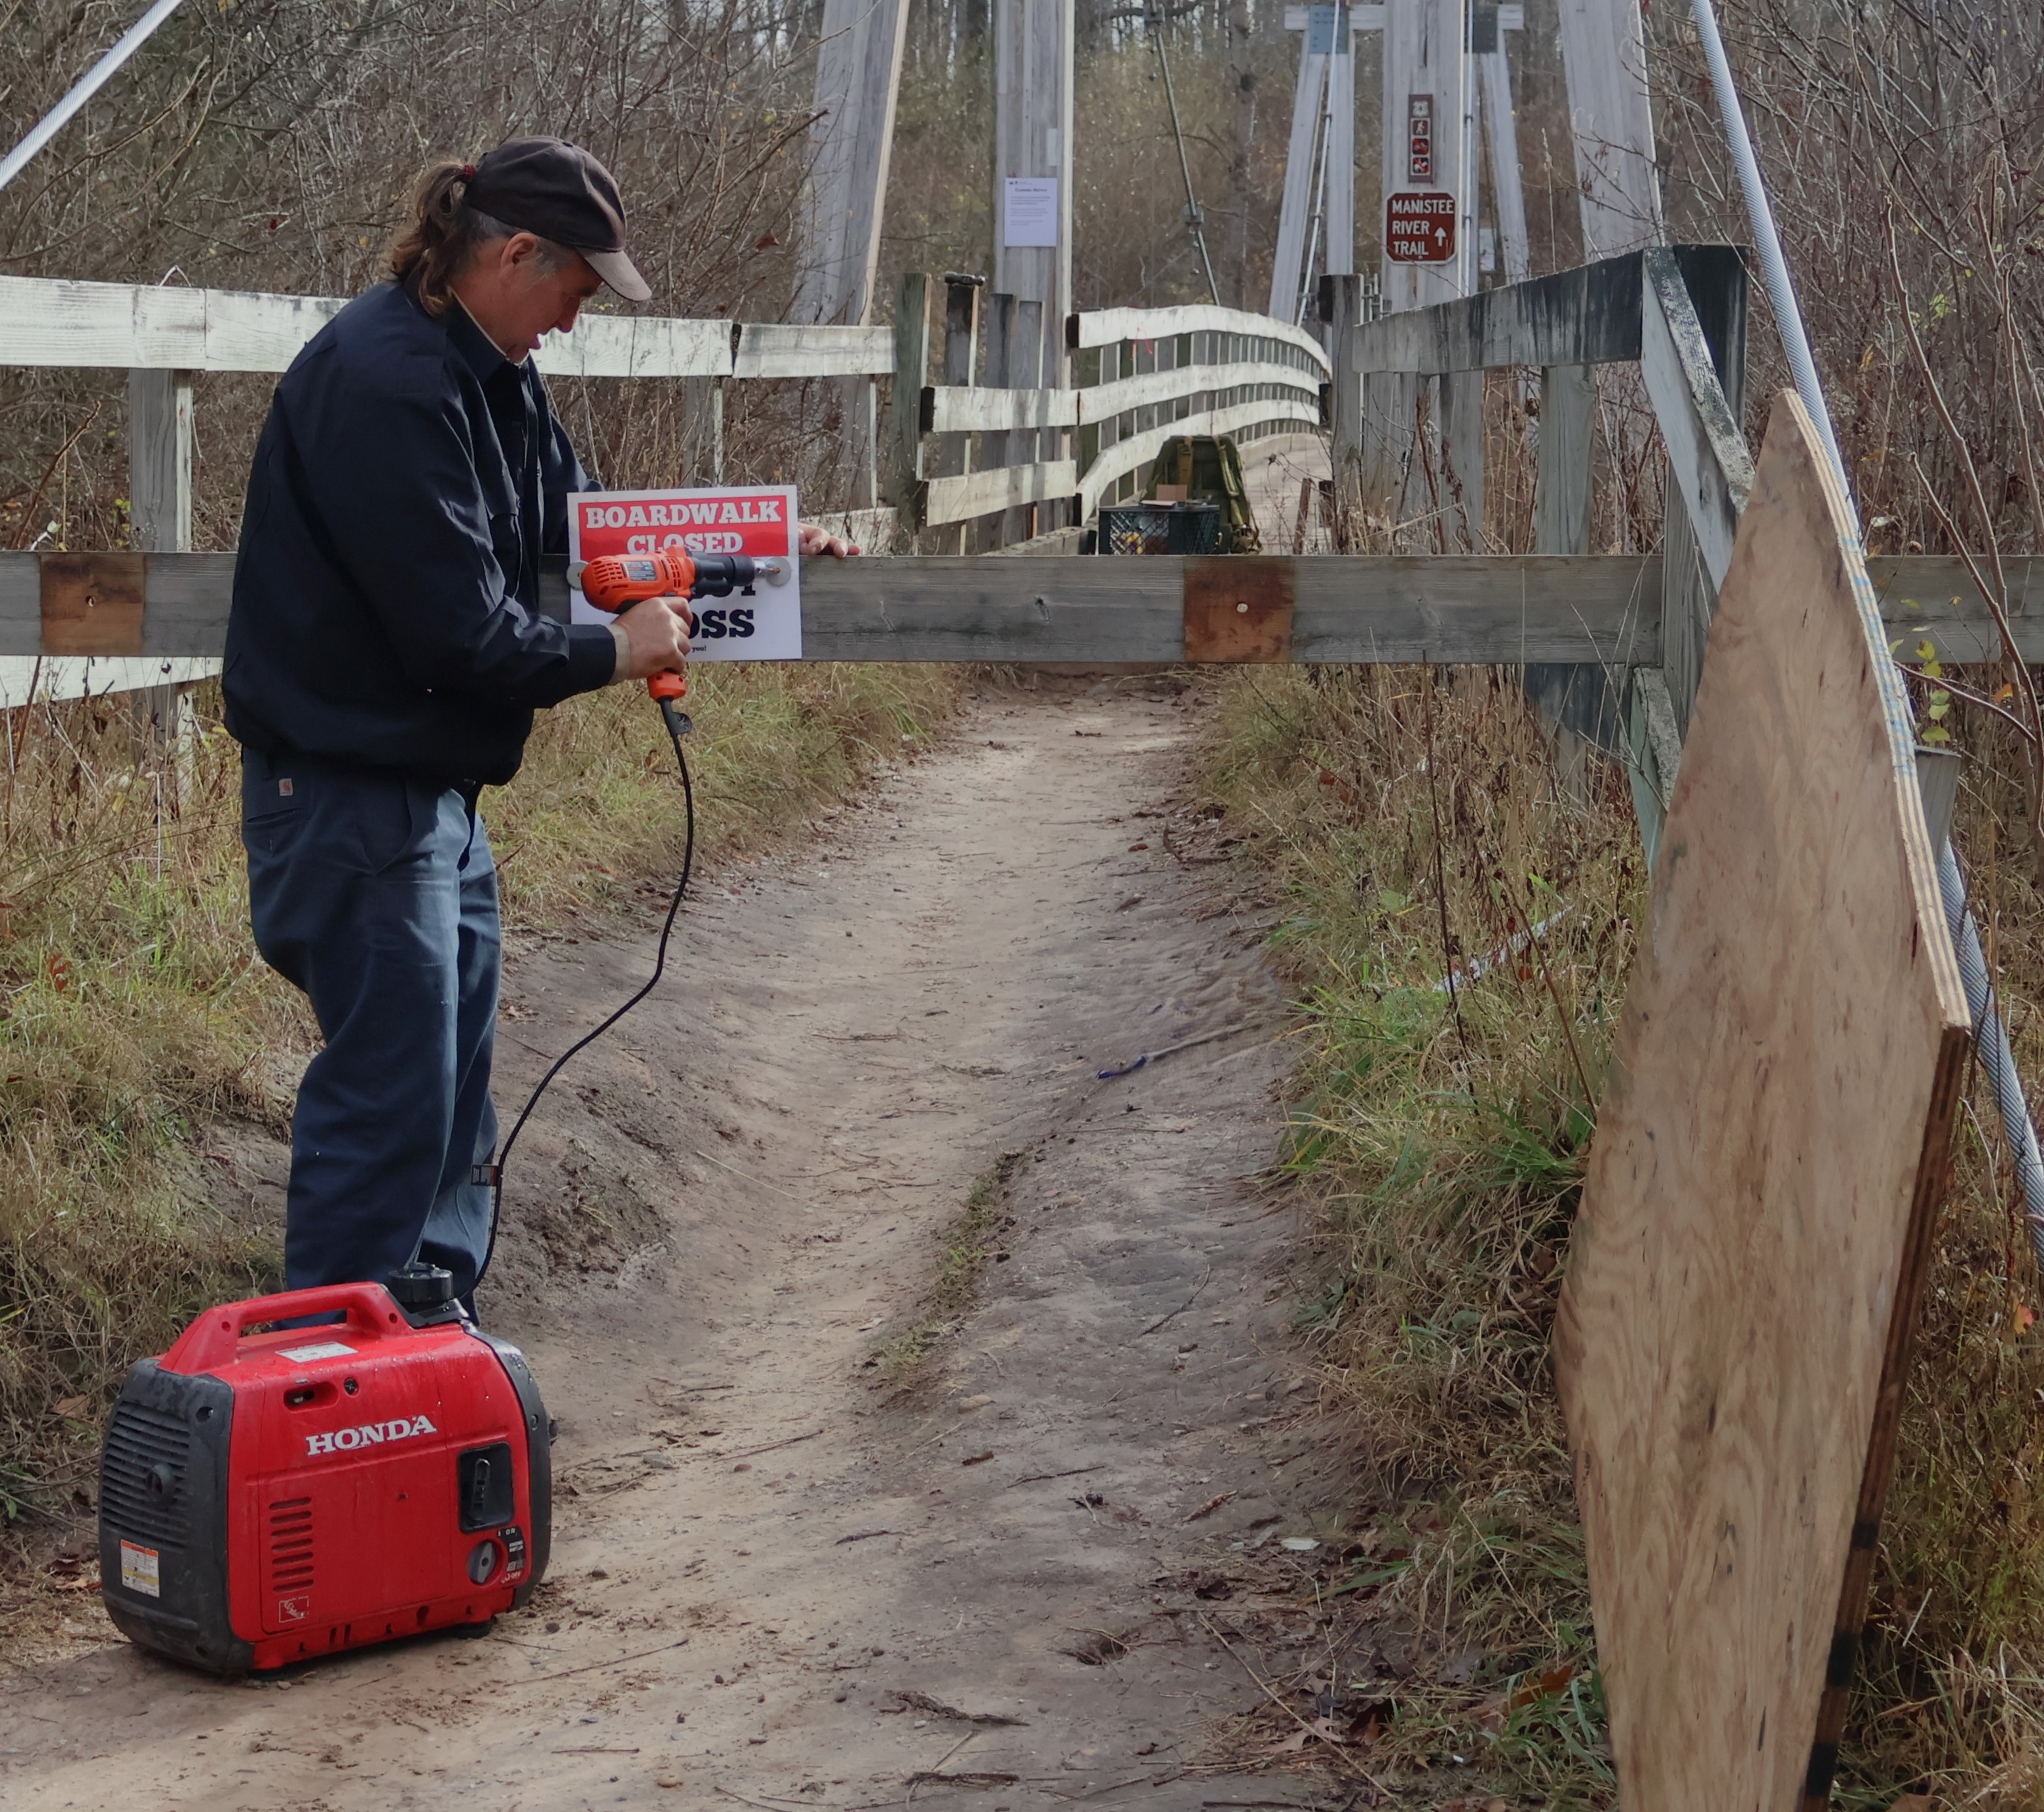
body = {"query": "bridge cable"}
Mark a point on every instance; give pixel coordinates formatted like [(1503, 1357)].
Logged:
[(1990, 1035)]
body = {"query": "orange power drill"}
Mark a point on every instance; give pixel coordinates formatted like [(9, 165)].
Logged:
[(617, 582)]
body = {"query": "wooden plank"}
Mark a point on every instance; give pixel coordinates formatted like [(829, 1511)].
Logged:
[(1239, 607), (1461, 441), (188, 596), (974, 410), (1025, 372), (1003, 487), (852, 133), (1576, 700), (160, 460), (21, 608), (1340, 307), (911, 360), (638, 346), (1933, 596), (773, 349), (91, 603), (1102, 402), (1709, 464), (44, 321), (1745, 1267), (1110, 326), (1503, 610), (1457, 609), (1588, 316)]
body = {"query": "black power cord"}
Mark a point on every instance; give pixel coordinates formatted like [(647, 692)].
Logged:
[(678, 726)]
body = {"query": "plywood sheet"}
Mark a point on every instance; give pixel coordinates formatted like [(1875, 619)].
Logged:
[(1768, 1159)]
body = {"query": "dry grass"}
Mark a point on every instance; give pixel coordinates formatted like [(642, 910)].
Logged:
[(1444, 1153), (1413, 826), (134, 1012)]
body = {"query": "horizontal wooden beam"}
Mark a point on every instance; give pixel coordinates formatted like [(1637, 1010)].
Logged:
[(773, 349), (1475, 609), (962, 408), (1110, 326), (1588, 316), (1101, 402), (942, 500), (155, 327)]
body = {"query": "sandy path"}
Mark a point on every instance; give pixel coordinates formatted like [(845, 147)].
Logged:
[(770, 1547)]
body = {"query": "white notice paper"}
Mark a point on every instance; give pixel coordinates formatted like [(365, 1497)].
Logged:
[(1029, 210)]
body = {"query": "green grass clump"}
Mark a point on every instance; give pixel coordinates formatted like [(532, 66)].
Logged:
[(1442, 1146), (135, 1014), (965, 1247), (1413, 826)]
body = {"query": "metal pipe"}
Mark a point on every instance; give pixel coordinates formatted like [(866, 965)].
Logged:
[(89, 85), (1990, 1035), (1759, 213)]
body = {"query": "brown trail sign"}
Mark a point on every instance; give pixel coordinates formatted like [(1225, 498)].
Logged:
[(1743, 1282)]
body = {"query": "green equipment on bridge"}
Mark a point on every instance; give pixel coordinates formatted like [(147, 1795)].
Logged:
[(1195, 503)]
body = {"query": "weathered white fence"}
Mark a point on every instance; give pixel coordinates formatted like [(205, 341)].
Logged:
[(1042, 454)]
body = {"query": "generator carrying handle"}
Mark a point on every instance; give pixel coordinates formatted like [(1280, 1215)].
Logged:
[(212, 1341)]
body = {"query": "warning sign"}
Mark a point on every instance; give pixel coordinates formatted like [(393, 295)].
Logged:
[(757, 520), (1420, 227), (141, 1569)]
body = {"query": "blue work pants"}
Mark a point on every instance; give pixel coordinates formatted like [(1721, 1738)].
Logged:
[(377, 896)]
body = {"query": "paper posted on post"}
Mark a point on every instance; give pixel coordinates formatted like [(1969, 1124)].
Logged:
[(1029, 211), (758, 519)]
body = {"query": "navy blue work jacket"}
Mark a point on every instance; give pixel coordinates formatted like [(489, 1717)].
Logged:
[(385, 608)]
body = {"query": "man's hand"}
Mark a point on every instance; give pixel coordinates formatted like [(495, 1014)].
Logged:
[(656, 638), (817, 541)]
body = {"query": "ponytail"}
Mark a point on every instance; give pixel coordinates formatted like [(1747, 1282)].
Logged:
[(442, 235)]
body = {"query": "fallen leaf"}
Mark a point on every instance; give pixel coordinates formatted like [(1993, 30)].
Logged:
[(2025, 1318), (977, 1458), (71, 1406), (82, 1583), (1210, 1506), (1911, 1803)]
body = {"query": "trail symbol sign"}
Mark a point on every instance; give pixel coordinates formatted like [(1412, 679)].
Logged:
[(1420, 227)]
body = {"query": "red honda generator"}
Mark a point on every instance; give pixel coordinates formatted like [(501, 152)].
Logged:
[(267, 1498)]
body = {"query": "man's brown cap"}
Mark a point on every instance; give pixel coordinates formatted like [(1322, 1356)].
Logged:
[(558, 190)]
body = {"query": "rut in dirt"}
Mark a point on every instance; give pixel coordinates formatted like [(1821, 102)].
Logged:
[(785, 1569)]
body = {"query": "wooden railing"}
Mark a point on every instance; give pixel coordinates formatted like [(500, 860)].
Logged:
[(1043, 453)]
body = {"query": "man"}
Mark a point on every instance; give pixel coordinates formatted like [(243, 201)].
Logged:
[(385, 655)]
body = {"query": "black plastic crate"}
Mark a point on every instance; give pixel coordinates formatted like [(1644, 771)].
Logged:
[(1153, 528)]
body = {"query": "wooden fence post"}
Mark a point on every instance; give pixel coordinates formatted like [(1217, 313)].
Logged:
[(159, 499), (1688, 598), (1462, 450), (993, 448), (952, 456), (911, 365), (1574, 702), (1339, 303), (1025, 372)]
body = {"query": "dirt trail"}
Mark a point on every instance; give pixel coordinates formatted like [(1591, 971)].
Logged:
[(780, 1578)]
